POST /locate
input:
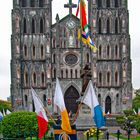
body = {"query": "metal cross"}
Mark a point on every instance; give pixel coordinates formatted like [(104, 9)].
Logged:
[(70, 5)]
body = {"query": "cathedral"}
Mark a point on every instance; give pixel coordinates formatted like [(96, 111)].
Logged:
[(42, 51)]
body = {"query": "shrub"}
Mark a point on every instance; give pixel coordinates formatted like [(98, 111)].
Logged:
[(19, 124)]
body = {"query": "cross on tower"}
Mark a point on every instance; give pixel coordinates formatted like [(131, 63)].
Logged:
[(70, 5)]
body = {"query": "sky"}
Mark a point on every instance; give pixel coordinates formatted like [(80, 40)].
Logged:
[(5, 40)]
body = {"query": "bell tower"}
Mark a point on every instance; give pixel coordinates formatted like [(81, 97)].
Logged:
[(30, 45), (111, 64)]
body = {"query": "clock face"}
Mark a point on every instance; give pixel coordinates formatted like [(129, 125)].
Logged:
[(70, 24), (71, 59)]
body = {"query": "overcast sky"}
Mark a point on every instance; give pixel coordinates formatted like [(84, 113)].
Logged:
[(5, 43)]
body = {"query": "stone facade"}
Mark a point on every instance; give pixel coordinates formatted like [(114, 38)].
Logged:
[(42, 51)]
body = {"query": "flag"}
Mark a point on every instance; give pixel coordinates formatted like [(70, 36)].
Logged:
[(41, 115), (8, 112), (1, 116), (59, 101), (90, 99), (85, 31)]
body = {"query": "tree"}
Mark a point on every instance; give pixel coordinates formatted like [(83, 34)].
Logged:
[(136, 100), (5, 105), (19, 124), (127, 121)]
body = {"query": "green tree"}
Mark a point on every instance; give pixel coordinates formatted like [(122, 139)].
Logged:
[(136, 100), (127, 121), (19, 124), (5, 105)]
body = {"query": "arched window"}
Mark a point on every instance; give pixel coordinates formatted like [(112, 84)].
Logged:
[(108, 51), (42, 78), (99, 98), (108, 26), (44, 100), (108, 105), (42, 51), (116, 25), (24, 26), (41, 25), (34, 78), (87, 58), (100, 78), (24, 3), (116, 51), (76, 73), (33, 26), (33, 51), (71, 73), (107, 3), (32, 3), (66, 73), (108, 78), (25, 50), (116, 3), (26, 101), (100, 26), (41, 3), (54, 58), (99, 3), (26, 78), (61, 73), (116, 78), (100, 51), (54, 43)]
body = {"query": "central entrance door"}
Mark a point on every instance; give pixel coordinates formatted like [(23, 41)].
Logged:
[(70, 97)]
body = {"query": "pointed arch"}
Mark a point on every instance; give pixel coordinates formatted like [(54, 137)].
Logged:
[(108, 78), (108, 26), (26, 101), (24, 26), (33, 51), (100, 26), (33, 25), (116, 51), (108, 104), (41, 3), (25, 50), (116, 3), (99, 98), (116, 26), (71, 96), (116, 78), (42, 51), (100, 52), (108, 51), (34, 79), (42, 78), (24, 3), (99, 3), (32, 3), (108, 3), (41, 26), (26, 80), (87, 57), (45, 100)]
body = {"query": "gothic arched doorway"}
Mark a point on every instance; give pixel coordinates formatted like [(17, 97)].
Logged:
[(108, 105), (70, 97)]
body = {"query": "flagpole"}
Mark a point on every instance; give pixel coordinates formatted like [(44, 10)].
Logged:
[(79, 106), (46, 109)]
